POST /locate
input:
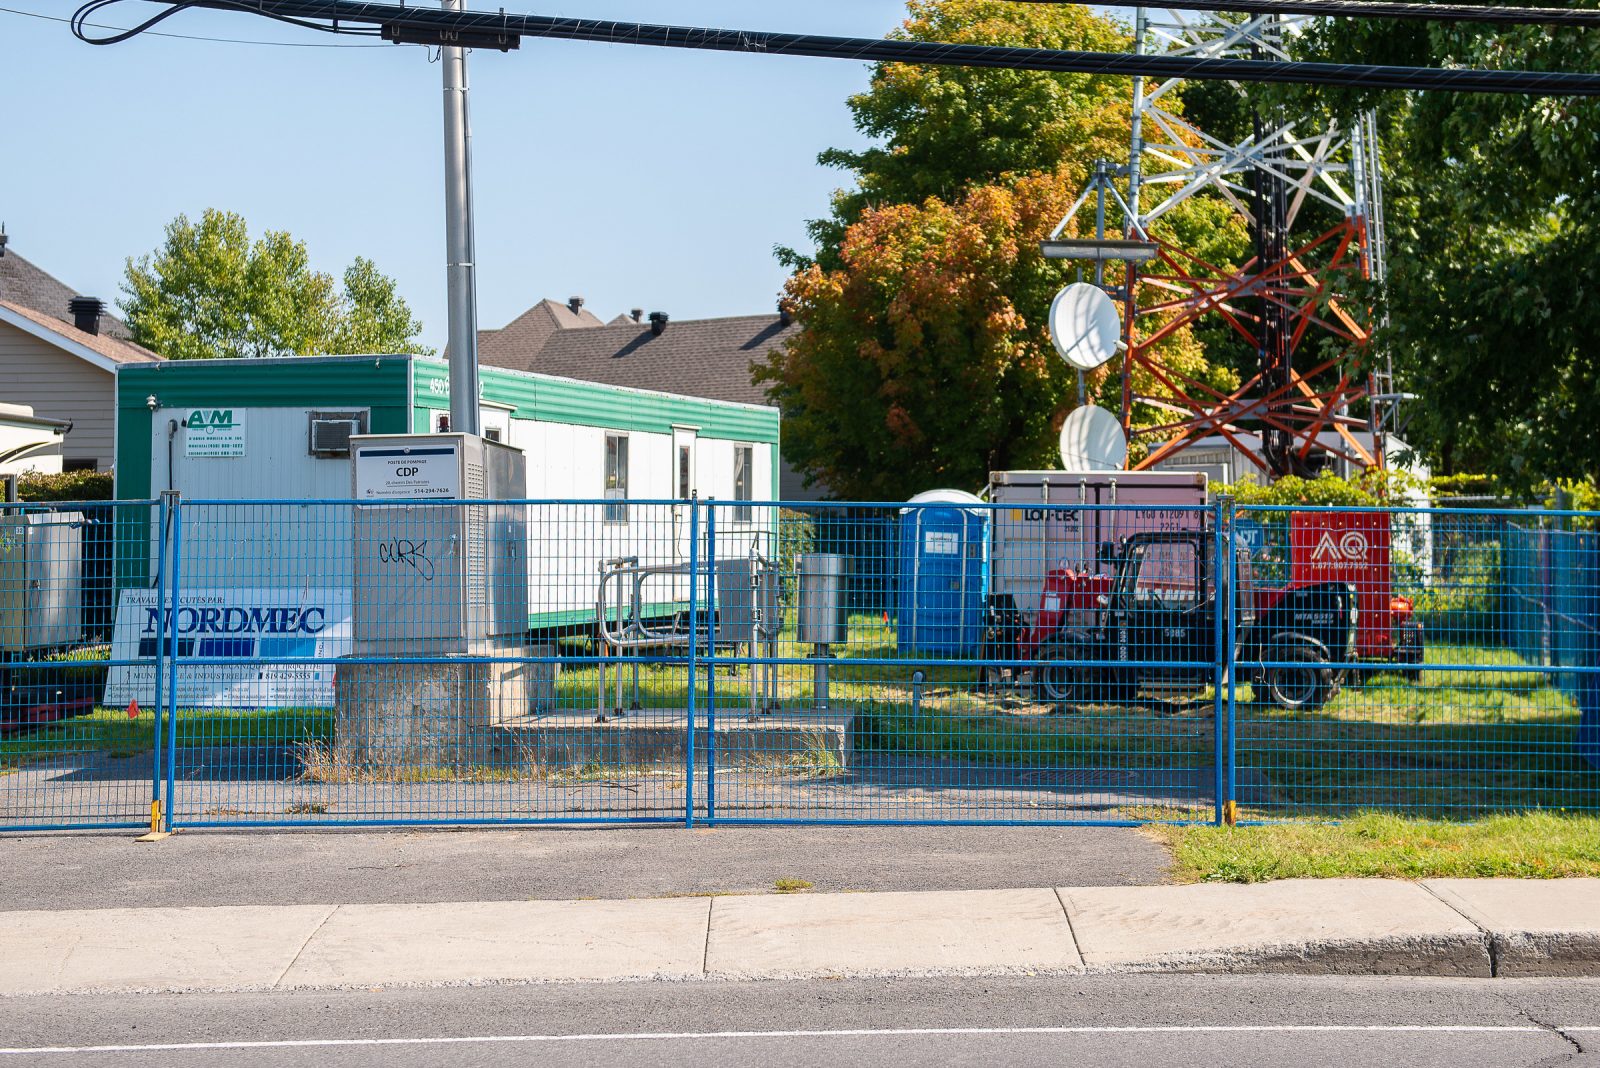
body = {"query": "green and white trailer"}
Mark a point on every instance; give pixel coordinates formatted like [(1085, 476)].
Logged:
[(278, 429)]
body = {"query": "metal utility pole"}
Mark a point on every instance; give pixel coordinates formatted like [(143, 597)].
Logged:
[(461, 268)]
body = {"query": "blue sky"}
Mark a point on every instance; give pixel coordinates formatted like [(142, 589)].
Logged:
[(635, 177)]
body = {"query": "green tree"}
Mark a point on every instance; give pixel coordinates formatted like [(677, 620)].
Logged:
[(940, 130), (375, 318), (1494, 248), (210, 292)]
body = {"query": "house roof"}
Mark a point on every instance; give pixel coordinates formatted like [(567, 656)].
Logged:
[(104, 352), (25, 285), (708, 358), (529, 331)]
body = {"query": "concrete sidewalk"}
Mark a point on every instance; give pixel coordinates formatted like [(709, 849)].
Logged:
[(1451, 927)]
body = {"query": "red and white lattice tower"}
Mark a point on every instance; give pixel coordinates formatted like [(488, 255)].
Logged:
[(1288, 300)]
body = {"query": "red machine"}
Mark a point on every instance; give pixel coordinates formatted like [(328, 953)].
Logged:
[(1158, 605), (1353, 548)]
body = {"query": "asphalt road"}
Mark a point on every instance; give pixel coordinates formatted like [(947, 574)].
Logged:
[(64, 871), (1136, 1021)]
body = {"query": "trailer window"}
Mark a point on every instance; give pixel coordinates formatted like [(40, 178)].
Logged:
[(616, 487), (685, 472), (1169, 573), (743, 480)]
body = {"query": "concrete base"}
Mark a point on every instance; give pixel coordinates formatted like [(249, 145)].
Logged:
[(390, 715), (659, 736)]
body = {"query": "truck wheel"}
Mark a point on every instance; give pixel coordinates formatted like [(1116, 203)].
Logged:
[(1297, 688), (1059, 679)]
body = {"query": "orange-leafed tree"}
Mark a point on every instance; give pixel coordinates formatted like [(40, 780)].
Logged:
[(925, 359)]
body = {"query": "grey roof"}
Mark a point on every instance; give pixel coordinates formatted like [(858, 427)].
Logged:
[(708, 358), (529, 331), (23, 284)]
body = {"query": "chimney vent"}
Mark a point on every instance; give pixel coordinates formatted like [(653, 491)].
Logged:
[(86, 312), (785, 316), (637, 315), (575, 304), (658, 323)]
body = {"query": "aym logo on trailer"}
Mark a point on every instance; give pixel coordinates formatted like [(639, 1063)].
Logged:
[(211, 418), (252, 644), (214, 432)]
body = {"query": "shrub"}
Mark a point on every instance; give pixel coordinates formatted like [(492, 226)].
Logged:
[(66, 486)]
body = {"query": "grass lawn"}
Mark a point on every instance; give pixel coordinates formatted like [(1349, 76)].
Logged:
[(1471, 741), (1532, 845), (113, 732)]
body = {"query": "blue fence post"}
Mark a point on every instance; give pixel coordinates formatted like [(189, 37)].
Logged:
[(175, 586), (694, 656), (1230, 806), (1589, 658), (158, 708), (1222, 656), (711, 670)]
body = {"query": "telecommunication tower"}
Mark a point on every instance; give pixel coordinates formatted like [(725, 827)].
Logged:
[(1290, 300)]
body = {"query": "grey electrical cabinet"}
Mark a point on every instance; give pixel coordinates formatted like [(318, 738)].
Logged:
[(748, 605), (434, 575), (41, 579)]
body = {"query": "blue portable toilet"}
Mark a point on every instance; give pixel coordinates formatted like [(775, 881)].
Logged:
[(943, 574)]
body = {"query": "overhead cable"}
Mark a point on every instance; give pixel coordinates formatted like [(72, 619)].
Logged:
[(1375, 9), (480, 24)]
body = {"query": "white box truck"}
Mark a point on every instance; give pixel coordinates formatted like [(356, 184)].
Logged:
[(1046, 520)]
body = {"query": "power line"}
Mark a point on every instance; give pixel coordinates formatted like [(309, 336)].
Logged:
[(187, 36), (476, 27), (1376, 9), (80, 19)]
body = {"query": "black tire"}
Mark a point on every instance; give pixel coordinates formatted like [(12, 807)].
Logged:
[(1300, 689), (1060, 679)]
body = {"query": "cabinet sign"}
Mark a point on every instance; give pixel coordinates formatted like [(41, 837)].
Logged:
[(214, 432), (395, 472), (255, 642)]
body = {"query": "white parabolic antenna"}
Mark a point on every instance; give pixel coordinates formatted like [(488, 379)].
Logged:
[(1092, 440), (1084, 326)]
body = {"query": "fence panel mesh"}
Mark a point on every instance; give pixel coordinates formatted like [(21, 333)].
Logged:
[(943, 661), (430, 662), (948, 660), (1441, 702), (75, 751)]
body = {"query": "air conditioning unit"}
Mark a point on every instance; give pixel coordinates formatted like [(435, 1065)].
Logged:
[(329, 433)]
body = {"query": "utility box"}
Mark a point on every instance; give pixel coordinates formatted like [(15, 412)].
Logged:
[(437, 578), (41, 579), (748, 606)]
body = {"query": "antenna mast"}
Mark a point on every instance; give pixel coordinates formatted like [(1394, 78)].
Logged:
[(1288, 301)]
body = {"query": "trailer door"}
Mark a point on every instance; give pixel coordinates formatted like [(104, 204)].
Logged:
[(684, 484)]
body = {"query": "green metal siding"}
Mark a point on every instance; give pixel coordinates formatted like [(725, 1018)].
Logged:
[(561, 400), (376, 383)]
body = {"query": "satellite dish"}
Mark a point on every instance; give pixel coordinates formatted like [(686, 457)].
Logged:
[(1092, 440), (1084, 326)]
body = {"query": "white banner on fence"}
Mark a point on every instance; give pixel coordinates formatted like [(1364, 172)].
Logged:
[(266, 631)]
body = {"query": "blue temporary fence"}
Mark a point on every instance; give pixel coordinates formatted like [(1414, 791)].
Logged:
[(328, 663)]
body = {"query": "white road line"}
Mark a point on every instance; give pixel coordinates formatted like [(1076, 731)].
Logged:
[(690, 1036)]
